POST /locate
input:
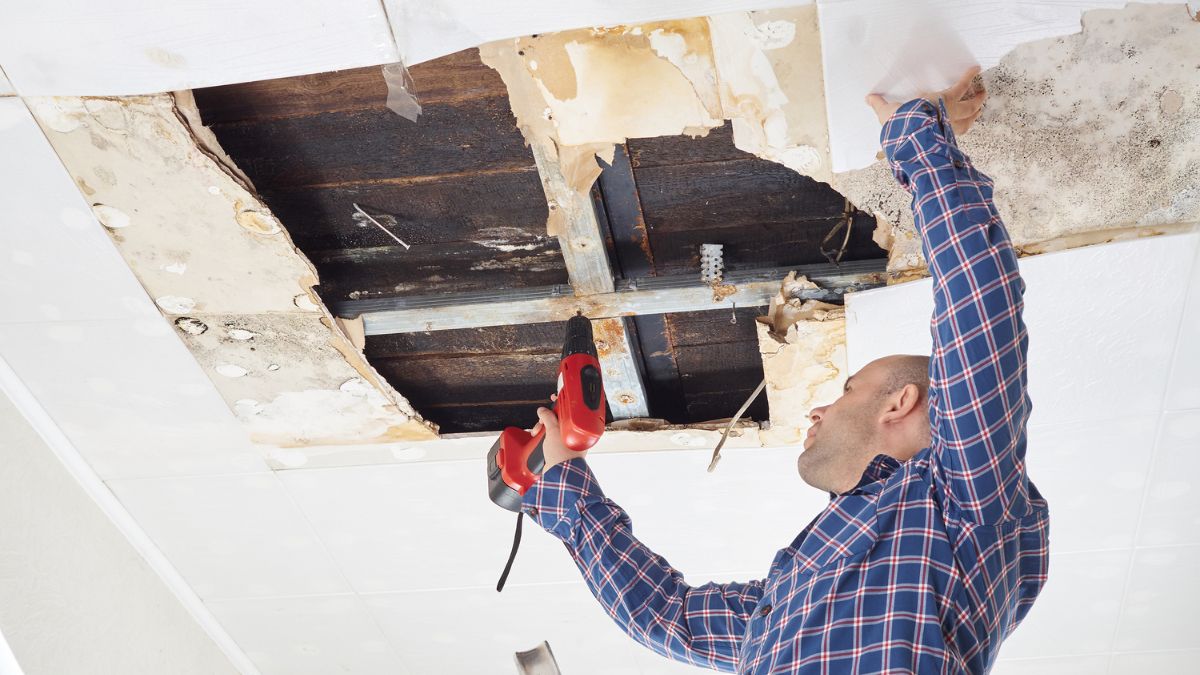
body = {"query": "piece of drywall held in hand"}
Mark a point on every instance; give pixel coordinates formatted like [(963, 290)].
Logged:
[(1089, 137), (904, 49)]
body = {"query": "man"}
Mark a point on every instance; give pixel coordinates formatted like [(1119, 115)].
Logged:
[(934, 544)]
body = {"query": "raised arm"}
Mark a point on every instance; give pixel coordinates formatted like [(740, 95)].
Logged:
[(647, 598), (978, 399)]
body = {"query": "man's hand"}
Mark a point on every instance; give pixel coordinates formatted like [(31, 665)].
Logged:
[(964, 102), (553, 448)]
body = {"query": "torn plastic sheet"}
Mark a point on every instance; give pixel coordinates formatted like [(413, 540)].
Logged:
[(401, 98)]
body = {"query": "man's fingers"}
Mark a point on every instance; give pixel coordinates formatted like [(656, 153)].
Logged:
[(969, 107), (962, 126), (960, 88), (548, 419)]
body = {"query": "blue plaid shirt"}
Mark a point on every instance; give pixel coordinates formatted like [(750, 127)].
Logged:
[(924, 567)]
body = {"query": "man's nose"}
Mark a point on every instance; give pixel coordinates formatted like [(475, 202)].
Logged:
[(816, 414)]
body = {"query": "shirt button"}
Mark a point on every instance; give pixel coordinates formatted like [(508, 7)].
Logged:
[(766, 609), (958, 164)]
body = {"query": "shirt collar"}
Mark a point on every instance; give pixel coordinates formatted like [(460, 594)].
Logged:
[(880, 469)]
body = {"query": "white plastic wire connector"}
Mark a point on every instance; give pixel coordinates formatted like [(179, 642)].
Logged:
[(712, 263)]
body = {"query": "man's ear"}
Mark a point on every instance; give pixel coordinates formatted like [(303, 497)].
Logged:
[(900, 403)]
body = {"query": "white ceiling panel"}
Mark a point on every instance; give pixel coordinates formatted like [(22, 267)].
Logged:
[(710, 525), (1155, 663), (6, 88), (129, 396), (1063, 665), (1183, 390), (1094, 476), (56, 261), (905, 49), (467, 631), (130, 47), (420, 526), (313, 635), (1110, 304), (1170, 515), (1163, 593), (232, 536), (1077, 611)]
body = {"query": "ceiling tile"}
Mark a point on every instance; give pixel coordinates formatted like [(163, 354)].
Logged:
[(707, 524), (1094, 477), (1063, 665), (1163, 590), (127, 50), (1170, 515), (1183, 391), (1069, 294), (1077, 611), (232, 536), (444, 532), (1155, 663), (430, 628), (421, 526), (6, 88), (56, 261), (313, 635), (129, 396)]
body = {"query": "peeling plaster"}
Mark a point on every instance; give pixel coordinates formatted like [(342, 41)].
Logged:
[(212, 255), (806, 370), (1089, 132)]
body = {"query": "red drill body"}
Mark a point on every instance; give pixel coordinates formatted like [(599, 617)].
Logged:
[(516, 459)]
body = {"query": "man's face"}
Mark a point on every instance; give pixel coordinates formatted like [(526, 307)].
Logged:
[(836, 450)]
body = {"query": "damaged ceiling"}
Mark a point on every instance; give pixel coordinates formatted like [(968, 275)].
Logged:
[(576, 170), (461, 190)]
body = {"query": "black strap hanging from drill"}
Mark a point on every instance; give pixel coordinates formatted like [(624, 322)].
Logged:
[(512, 555)]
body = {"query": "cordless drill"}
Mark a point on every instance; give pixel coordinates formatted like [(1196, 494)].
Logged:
[(516, 460)]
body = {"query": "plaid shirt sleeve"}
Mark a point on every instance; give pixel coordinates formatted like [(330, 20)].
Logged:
[(978, 401), (640, 590)]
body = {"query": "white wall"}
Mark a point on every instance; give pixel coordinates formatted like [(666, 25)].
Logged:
[(75, 597)]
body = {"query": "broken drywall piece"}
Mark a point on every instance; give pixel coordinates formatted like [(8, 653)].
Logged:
[(401, 99), (129, 47), (905, 49), (806, 369), (1079, 135), (221, 265), (288, 380), (786, 308), (768, 65)]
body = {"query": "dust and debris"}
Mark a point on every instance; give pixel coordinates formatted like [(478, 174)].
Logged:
[(175, 304), (110, 216), (258, 222), (231, 370), (165, 58), (191, 326), (1088, 132), (241, 334)]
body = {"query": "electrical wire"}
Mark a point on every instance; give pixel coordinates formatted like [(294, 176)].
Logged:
[(725, 435)]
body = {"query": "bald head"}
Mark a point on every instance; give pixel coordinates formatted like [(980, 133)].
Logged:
[(884, 410)]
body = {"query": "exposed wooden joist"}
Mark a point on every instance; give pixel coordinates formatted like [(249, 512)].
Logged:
[(581, 238), (631, 298)]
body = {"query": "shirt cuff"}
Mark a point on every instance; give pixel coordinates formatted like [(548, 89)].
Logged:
[(918, 128), (555, 500)]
